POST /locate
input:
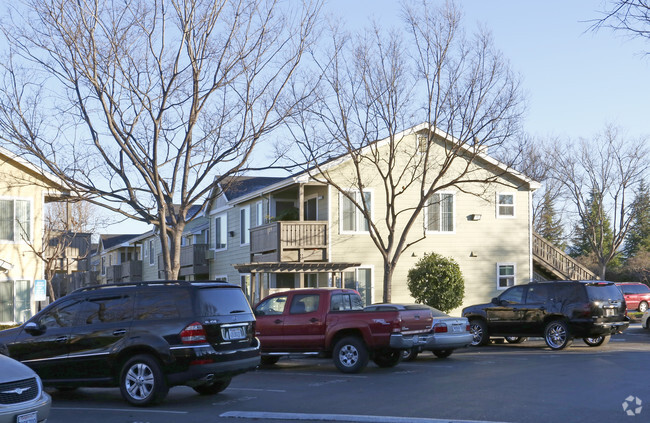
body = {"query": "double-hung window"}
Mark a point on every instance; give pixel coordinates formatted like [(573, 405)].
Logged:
[(506, 275), (220, 231), (244, 225), (505, 205), (15, 220), (439, 213), (352, 218)]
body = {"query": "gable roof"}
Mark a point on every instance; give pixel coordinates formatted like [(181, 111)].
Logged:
[(52, 180), (111, 241), (245, 187)]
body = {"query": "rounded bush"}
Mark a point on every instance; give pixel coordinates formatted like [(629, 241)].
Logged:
[(437, 282)]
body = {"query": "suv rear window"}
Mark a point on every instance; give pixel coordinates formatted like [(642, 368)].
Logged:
[(603, 291), (221, 301)]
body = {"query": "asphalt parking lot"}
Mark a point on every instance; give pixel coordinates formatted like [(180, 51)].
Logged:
[(499, 383)]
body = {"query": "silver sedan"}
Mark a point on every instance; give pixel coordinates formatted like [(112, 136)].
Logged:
[(22, 398)]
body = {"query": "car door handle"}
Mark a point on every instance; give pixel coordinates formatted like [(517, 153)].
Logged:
[(119, 332), (313, 320), (61, 339), (277, 321)]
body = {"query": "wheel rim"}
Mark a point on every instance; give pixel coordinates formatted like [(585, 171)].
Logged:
[(594, 340), (477, 334), (406, 354), (643, 307), (348, 355), (139, 381), (556, 335)]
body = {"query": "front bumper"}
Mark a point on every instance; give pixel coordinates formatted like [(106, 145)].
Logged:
[(42, 404)]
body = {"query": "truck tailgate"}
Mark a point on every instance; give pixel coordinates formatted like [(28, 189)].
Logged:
[(415, 321)]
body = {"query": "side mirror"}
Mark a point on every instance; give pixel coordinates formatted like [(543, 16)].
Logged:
[(258, 313), (33, 328), (496, 301)]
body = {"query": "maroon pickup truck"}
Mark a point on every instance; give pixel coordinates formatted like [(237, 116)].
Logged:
[(332, 322)]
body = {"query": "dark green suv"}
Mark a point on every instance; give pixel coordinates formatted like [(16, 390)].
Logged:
[(143, 337), (558, 311)]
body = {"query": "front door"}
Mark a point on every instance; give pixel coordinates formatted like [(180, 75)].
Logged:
[(46, 351), (269, 324), (505, 317), (361, 281)]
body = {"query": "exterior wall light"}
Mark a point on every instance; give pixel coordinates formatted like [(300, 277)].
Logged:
[(475, 217)]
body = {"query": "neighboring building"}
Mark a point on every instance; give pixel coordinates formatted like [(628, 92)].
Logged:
[(326, 242), (119, 258), (24, 190)]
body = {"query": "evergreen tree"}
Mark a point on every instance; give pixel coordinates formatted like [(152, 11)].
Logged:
[(594, 229), (638, 238), (548, 224)]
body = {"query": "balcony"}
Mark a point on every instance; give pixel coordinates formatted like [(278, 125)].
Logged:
[(289, 241), (129, 271), (193, 260)]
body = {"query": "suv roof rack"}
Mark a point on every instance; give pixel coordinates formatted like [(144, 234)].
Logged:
[(139, 283)]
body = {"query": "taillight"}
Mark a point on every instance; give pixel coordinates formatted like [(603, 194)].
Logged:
[(193, 334), (396, 325), (439, 328), (468, 328)]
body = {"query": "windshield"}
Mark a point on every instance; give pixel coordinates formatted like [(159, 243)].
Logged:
[(603, 291), (222, 301)]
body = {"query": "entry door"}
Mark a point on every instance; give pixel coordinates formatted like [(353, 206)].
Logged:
[(7, 301), (304, 326), (507, 317)]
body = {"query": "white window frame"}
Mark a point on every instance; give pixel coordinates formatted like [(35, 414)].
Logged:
[(223, 219), (18, 239), (259, 213), (245, 226), (358, 214), (513, 205), (453, 214), (152, 251), (499, 277), (102, 265)]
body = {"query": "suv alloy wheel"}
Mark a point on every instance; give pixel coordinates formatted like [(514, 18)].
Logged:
[(142, 382), (556, 335)]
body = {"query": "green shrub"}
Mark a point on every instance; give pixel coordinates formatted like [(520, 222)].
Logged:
[(3, 327), (437, 282)]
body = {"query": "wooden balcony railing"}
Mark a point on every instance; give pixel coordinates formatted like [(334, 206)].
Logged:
[(129, 271), (193, 260), (290, 241), (558, 262)]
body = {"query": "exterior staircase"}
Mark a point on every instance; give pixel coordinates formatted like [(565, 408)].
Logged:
[(557, 263)]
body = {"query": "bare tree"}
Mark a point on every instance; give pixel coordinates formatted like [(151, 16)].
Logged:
[(139, 104), (599, 177), (375, 85), (630, 16)]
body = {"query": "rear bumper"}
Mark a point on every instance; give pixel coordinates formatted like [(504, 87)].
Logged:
[(205, 362), (591, 329), (404, 342), (446, 341)]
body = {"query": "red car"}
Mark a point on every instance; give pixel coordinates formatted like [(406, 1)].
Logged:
[(637, 295)]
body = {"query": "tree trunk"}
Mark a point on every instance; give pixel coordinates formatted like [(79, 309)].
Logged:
[(389, 268)]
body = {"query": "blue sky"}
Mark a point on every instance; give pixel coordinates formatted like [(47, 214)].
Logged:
[(576, 81)]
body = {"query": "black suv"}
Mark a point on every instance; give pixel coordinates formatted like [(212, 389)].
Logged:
[(143, 337), (555, 310)]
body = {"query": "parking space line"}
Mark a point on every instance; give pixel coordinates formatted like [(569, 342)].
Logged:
[(120, 410), (339, 417), (257, 389), (336, 375)]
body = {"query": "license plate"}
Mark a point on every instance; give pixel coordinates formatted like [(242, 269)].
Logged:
[(28, 418), (458, 328), (609, 312), (236, 333)]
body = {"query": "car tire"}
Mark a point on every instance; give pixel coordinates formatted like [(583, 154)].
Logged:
[(478, 328), (556, 335), (269, 360), (597, 341), (442, 353), (213, 388), (515, 339), (410, 354), (643, 306), (388, 358), (142, 381), (350, 355)]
